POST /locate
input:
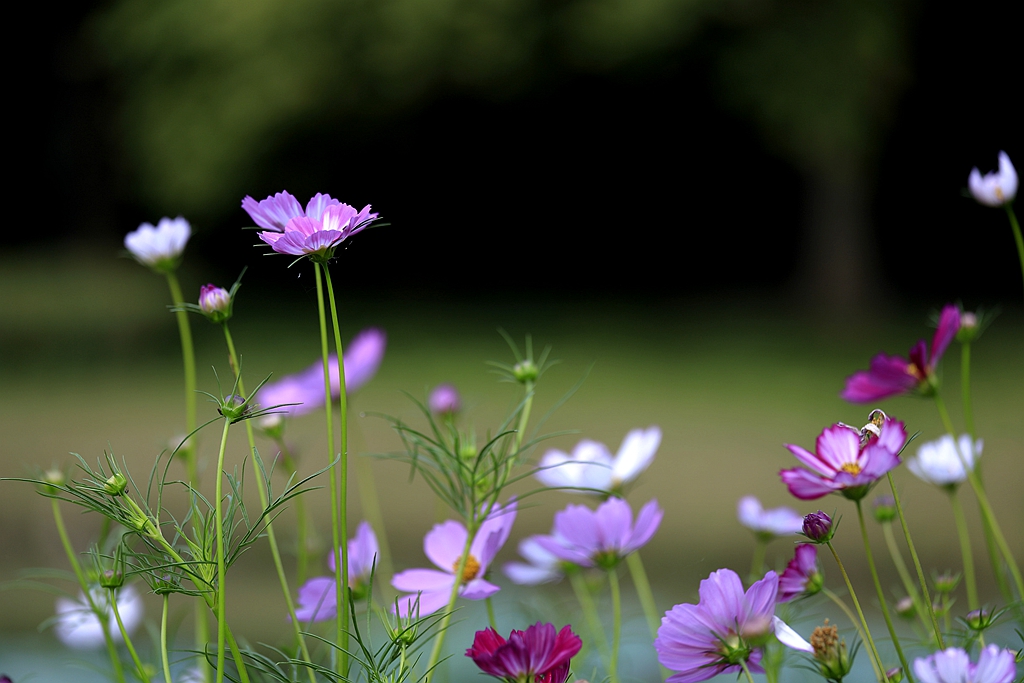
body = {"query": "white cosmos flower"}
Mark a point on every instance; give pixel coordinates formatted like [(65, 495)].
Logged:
[(953, 665), (938, 462), (159, 246), (780, 521), (591, 465), (77, 627), (997, 188)]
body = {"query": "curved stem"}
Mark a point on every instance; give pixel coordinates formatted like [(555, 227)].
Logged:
[(342, 509), (856, 625), (221, 568), (435, 653), (901, 569), (140, 668), (264, 501), (586, 601), (743, 664), (163, 642), (965, 549), (613, 583), (860, 613), (69, 550), (1015, 226), (643, 591), (881, 594)]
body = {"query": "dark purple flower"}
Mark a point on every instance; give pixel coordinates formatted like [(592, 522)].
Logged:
[(801, 576), (601, 537), (842, 464), (536, 655), (818, 527), (894, 375), (703, 640), (444, 400)]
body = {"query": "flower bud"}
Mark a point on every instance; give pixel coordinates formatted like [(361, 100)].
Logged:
[(906, 609), (895, 674), (525, 371), (885, 509), (818, 527), (52, 479), (111, 578), (946, 582), (834, 661), (116, 484), (234, 408), (444, 400), (815, 582), (980, 619), (272, 425), (215, 302)]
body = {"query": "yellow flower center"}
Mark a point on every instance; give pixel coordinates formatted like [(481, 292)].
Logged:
[(913, 371), (851, 468), (471, 569)]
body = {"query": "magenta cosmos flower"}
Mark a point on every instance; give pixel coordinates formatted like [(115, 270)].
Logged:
[(726, 627), (781, 521), (536, 655), (602, 537), (894, 375), (318, 597), (444, 545), (802, 575), (841, 465), (318, 230), (953, 665)]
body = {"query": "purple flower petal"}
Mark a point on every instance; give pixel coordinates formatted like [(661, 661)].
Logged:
[(274, 212), (412, 580), (444, 544)]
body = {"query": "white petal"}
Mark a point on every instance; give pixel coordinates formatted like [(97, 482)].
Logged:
[(789, 637)]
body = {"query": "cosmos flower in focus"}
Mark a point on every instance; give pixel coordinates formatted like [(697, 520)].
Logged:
[(318, 230)]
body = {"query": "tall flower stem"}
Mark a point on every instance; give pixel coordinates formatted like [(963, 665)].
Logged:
[(524, 417), (872, 648), (746, 670), (340, 580), (301, 516), (613, 583), (163, 641), (586, 600), (342, 474), (1015, 226), (491, 619), (908, 581), (140, 668), (370, 503), (965, 549), (101, 616), (757, 564), (221, 568), (881, 593), (643, 591), (917, 562), (986, 508), (856, 625), (264, 501), (435, 653)]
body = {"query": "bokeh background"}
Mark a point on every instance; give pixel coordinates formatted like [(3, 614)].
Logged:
[(724, 208)]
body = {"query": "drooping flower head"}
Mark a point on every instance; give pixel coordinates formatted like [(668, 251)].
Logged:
[(802, 575), (768, 524), (78, 627), (160, 246), (537, 655), (994, 189), (939, 462), (953, 665), (444, 400), (541, 566), (444, 545), (591, 465), (602, 537), (318, 596), (317, 231), (728, 626), (844, 462), (894, 375)]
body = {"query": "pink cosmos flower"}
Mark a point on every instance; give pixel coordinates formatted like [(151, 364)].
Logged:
[(318, 596), (725, 628), (781, 521), (444, 400), (953, 665), (536, 655), (840, 464), (319, 229), (444, 545), (602, 537), (894, 375), (801, 576), (994, 189)]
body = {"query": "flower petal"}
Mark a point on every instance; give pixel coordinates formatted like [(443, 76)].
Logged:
[(789, 637)]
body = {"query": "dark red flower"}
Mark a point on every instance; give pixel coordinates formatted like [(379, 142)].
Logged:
[(536, 655)]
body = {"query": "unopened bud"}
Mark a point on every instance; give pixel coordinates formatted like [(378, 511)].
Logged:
[(906, 609), (818, 527), (895, 675), (885, 509), (116, 484), (52, 480), (215, 303), (979, 619), (234, 408), (968, 327), (110, 578), (525, 371), (946, 582)]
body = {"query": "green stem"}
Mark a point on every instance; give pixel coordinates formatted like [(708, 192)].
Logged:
[(339, 582), (872, 648), (1015, 226), (856, 625), (139, 666), (490, 614), (743, 664), (163, 642), (435, 653), (901, 569), (927, 597), (965, 387), (965, 550), (643, 591), (264, 501), (101, 616), (881, 594), (221, 568), (757, 564), (301, 516), (524, 417), (586, 600), (370, 503), (342, 471), (613, 583), (983, 502)]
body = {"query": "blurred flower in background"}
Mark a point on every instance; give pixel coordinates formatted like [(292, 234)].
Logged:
[(78, 627), (591, 465), (994, 189), (780, 521), (941, 462), (159, 246)]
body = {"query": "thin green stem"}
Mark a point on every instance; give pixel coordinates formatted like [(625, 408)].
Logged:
[(643, 591), (901, 569), (925, 593), (586, 600), (965, 387), (856, 625), (490, 614), (264, 501), (881, 594), (301, 516), (524, 417), (339, 581), (435, 652), (613, 583), (743, 664), (983, 502), (221, 568), (140, 668), (342, 472), (965, 549), (872, 648), (1015, 226), (101, 616), (163, 641), (757, 564)]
